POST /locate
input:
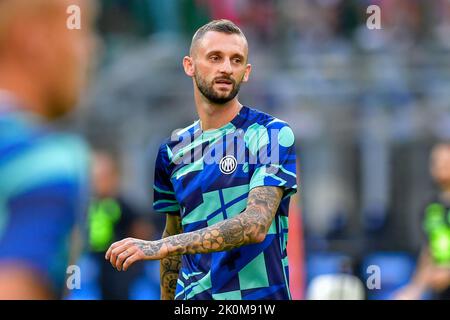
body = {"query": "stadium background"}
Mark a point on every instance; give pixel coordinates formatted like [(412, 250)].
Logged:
[(365, 105)]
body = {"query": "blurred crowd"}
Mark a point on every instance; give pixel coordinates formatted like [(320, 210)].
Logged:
[(367, 106)]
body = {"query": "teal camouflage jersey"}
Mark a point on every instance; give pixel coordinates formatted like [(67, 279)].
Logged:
[(206, 176), (44, 187)]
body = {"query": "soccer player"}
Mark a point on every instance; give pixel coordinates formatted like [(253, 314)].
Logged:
[(432, 274), (111, 218), (43, 172), (224, 183)]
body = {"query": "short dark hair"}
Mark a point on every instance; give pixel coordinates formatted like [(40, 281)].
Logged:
[(221, 25)]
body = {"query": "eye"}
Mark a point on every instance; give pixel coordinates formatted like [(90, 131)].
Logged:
[(237, 60), (214, 58)]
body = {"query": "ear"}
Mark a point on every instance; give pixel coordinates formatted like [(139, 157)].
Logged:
[(248, 70), (188, 65)]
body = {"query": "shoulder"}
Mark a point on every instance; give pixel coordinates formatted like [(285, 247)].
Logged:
[(22, 136), (257, 118), (267, 127), (68, 150), (41, 156), (430, 201), (178, 139), (178, 135)]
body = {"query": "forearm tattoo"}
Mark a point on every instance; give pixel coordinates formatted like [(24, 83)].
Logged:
[(170, 267), (251, 226)]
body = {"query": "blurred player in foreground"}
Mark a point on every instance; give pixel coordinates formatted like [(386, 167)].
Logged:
[(224, 183), (433, 268), (43, 174)]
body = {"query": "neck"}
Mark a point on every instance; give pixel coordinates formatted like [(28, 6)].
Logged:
[(23, 88), (213, 116)]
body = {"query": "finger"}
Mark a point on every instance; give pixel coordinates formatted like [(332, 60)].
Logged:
[(130, 260), (115, 245), (123, 256), (111, 248), (108, 252), (116, 251)]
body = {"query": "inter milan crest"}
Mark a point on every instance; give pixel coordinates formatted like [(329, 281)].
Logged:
[(228, 164)]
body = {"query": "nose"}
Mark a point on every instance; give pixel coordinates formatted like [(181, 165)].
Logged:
[(225, 67)]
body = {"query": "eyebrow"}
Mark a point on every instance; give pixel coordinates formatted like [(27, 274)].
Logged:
[(238, 55)]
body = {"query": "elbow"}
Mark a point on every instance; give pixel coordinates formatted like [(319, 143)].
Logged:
[(257, 237), (254, 229)]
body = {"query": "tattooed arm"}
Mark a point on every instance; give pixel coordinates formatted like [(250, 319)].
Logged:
[(250, 226), (170, 265)]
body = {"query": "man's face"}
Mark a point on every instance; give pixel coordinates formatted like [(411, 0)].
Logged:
[(70, 51), (42, 47), (440, 164), (105, 177), (220, 65)]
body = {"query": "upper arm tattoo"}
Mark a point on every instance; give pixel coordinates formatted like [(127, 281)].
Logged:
[(262, 205)]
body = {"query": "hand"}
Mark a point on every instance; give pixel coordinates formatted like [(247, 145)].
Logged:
[(122, 254), (440, 278), (409, 292)]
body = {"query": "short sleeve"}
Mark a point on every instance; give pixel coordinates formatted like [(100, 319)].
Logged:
[(272, 150), (163, 193)]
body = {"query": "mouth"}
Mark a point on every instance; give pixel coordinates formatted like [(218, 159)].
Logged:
[(223, 81), (224, 84)]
